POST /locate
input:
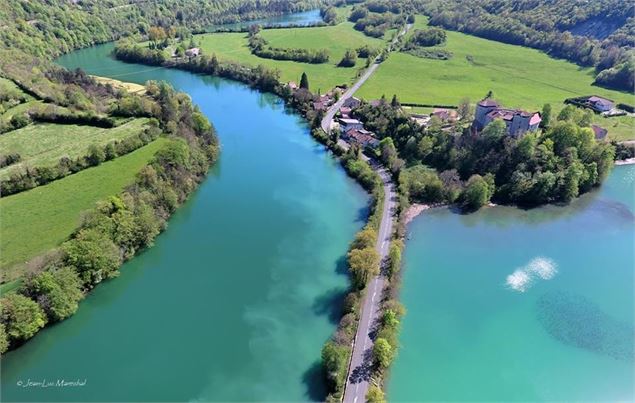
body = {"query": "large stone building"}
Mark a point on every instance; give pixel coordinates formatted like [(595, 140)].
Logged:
[(517, 121)]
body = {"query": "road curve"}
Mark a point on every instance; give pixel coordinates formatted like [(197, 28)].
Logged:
[(330, 113), (327, 120)]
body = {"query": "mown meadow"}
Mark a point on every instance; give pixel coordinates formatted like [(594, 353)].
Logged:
[(39, 219), (518, 76), (44, 144), (322, 77)]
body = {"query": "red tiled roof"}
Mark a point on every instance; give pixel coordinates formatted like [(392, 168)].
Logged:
[(535, 119), (599, 132), (361, 136)]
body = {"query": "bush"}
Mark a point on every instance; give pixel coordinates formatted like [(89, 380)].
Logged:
[(94, 255), (21, 316), (57, 291), (349, 59), (335, 364)]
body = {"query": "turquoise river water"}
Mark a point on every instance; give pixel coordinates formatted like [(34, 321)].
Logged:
[(238, 295)]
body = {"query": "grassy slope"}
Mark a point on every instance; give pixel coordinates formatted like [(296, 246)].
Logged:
[(37, 220), (233, 46), (518, 76), (44, 144)]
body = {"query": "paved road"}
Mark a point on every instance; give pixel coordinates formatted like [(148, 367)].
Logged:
[(330, 113), (359, 371), (358, 376)]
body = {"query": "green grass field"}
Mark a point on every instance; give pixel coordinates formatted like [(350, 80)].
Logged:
[(44, 144), (40, 219), (323, 77), (518, 76)]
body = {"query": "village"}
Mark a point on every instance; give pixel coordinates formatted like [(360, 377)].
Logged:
[(517, 121)]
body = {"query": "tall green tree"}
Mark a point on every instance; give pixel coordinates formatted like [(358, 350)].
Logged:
[(545, 115), (304, 81), (382, 353), (22, 316), (364, 264)]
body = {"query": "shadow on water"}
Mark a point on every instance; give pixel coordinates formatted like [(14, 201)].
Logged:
[(313, 379), (341, 267), (576, 321), (330, 304)]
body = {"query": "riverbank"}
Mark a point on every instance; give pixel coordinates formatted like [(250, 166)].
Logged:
[(628, 161), (120, 226)]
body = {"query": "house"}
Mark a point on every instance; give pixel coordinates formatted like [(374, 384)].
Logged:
[(421, 120), (600, 104), (446, 115), (352, 103), (348, 124), (193, 52), (361, 137), (517, 121), (600, 132), (597, 104), (345, 112)]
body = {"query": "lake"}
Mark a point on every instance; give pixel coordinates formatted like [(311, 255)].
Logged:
[(238, 295), (521, 305)]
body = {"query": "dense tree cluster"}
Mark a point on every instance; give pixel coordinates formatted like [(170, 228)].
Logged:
[(548, 26), (427, 37), (261, 48), (374, 18), (555, 166)]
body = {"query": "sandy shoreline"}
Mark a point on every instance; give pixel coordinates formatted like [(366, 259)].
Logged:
[(627, 161), (417, 208)]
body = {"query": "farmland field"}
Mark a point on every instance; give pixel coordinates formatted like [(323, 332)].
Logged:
[(518, 76), (39, 219), (44, 144), (323, 77)]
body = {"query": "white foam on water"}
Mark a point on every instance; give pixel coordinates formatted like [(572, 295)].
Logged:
[(543, 267), (519, 280), (540, 267)]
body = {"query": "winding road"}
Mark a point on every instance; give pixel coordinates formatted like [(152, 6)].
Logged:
[(359, 371)]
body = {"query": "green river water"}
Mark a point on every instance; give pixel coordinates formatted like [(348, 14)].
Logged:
[(565, 334), (236, 298)]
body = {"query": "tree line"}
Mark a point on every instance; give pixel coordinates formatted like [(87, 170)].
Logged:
[(260, 47), (118, 227)]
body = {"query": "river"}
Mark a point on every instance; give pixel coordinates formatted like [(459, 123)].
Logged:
[(238, 295), (559, 329), (300, 18)]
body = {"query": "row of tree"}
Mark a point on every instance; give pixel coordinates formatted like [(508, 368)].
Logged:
[(119, 226), (261, 48)]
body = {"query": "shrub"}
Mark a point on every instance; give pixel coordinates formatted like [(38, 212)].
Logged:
[(21, 316)]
